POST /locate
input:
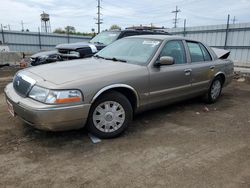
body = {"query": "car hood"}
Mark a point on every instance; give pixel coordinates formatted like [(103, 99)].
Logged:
[(74, 46), (81, 70), (47, 53)]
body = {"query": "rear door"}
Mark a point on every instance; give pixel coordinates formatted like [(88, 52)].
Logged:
[(170, 82), (202, 66)]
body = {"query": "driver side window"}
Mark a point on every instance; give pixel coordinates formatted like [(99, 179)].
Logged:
[(174, 49)]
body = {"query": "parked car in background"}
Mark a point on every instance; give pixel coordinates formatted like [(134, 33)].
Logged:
[(104, 92), (86, 49), (45, 57)]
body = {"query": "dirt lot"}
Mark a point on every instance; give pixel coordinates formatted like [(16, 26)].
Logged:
[(182, 145)]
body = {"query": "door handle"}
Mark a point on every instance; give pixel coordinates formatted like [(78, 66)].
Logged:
[(187, 72), (212, 68)]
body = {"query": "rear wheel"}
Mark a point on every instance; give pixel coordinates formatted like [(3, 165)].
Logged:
[(214, 90), (109, 115)]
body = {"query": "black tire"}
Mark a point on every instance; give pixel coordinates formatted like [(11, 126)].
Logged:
[(112, 96), (209, 98)]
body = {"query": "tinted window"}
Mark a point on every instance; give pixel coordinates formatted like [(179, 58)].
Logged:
[(195, 52), (127, 34), (105, 37), (206, 54), (176, 50)]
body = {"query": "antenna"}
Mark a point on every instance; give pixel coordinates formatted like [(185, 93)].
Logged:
[(99, 20), (176, 11)]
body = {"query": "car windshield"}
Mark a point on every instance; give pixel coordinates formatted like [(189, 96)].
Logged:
[(130, 50), (105, 37)]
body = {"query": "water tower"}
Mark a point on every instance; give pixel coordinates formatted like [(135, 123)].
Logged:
[(45, 23)]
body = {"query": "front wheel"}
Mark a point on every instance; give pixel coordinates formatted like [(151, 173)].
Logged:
[(109, 115), (214, 91)]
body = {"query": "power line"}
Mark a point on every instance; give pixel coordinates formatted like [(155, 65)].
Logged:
[(176, 11)]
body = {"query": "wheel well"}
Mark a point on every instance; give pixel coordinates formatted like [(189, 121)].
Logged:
[(222, 77), (131, 96)]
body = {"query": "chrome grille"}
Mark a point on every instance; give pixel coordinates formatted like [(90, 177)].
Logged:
[(63, 51), (21, 86)]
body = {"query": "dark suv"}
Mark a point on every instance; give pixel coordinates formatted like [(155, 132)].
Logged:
[(82, 49)]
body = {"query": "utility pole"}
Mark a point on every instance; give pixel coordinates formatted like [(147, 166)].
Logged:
[(2, 34), (227, 29), (39, 38), (184, 28), (68, 34), (176, 11), (151, 25), (22, 26), (99, 20), (234, 20)]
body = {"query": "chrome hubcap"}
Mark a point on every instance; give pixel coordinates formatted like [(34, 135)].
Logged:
[(215, 90), (108, 116)]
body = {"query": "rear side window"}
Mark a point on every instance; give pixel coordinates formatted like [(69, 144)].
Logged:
[(176, 50), (198, 52), (206, 54), (195, 52)]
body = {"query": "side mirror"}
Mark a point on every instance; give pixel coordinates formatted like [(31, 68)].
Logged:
[(166, 60)]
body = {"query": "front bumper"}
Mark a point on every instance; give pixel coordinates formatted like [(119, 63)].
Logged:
[(47, 117)]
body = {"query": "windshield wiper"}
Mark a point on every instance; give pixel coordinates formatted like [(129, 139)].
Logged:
[(98, 42), (116, 59), (112, 59), (99, 57)]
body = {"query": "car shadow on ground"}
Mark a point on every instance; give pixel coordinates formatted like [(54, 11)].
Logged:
[(142, 122), (53, 138)]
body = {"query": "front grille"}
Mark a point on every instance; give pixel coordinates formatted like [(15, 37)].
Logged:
[(21, 86), (63, 51)]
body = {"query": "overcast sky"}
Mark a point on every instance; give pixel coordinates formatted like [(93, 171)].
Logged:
[(81, 13)]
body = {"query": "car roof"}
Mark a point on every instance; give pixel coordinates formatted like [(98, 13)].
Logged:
[(158, 37), (140, 31)]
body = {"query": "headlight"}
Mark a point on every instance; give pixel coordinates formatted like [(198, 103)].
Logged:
[(62, 97), (77, 54), (39, 93), (55, 96)]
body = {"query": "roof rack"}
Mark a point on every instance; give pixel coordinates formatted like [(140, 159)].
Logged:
[(148, 28)]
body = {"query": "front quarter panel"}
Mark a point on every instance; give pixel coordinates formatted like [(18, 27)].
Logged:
[(136, 79)]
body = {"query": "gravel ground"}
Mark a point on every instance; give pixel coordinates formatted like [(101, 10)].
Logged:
[(182, 145)]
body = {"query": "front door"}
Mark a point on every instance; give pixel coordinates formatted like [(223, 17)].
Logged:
[(170, 82)]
